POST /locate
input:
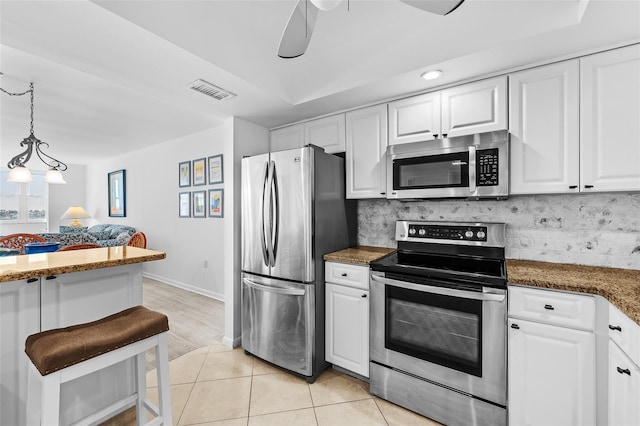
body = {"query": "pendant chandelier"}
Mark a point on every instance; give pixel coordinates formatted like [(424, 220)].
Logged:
[(19, 171)]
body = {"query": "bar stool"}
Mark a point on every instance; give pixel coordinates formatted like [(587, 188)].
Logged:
[(64, 354)]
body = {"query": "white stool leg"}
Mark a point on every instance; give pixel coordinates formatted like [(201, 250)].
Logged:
[(34, 396), (164, 384), (51, 399), (141, 389)]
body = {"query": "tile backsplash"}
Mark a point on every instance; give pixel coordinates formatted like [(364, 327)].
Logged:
[(586, 229)]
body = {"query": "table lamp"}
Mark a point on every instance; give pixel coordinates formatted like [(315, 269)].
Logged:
[(75, 213)]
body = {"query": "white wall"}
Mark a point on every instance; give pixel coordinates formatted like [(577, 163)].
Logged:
[(61, 197), (195, 247)]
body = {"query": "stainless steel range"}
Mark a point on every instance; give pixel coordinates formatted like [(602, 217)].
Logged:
[(438, 322)]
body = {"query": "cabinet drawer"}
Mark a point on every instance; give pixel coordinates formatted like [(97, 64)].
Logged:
[(347, 274), (552, 307), (625, 332)]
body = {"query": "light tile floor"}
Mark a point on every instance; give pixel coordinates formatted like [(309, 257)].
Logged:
[(216, 385)]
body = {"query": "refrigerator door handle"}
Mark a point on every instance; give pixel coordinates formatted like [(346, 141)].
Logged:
[(276, 213), (265, 234), (273, 289)]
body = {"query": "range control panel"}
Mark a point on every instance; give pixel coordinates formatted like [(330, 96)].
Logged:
[(447, 232)]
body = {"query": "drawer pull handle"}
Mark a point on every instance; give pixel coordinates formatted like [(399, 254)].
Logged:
[(588, 186), (364, 295), (573, 186), (515, 326), (32, 280), (51, 277), (549, 307), (624, 371), (615, 327), (344, 274)]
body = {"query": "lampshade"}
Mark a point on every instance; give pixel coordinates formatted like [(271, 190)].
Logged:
[(19, 174), (53, 176), (75, 213)]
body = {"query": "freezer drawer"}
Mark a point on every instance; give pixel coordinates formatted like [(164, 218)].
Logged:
[(278, 322)]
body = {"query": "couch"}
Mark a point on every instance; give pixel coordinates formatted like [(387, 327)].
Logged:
[(105, 235)]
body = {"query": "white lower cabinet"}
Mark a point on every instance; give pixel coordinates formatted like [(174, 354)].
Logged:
[(551, 375), (624, 389), (347, 321)]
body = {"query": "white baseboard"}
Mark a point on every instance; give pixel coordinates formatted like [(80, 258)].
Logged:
[(184, 286), (232, 343)]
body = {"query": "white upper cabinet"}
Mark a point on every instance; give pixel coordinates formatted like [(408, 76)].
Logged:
[(610, 120), (544, 125), (414, 119), (365, 156), (327, 132), (287, 138), (474, 108)]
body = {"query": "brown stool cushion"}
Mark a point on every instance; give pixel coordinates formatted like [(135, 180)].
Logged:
[(53, 350)]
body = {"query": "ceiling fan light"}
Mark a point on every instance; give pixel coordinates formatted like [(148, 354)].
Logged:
[(326, 4), (20, 174), (431, 75), (54, 176)]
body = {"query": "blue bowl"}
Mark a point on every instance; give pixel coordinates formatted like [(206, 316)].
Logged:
[(47, 247)]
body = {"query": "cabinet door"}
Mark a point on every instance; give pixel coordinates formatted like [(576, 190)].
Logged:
[(347, 328), (85, 296), (414, 119), (287, 138), (365, 156), (609, 124), (19, 318), (624, 389), (551, 375), (544, 125), (475, 107), (327, 133)]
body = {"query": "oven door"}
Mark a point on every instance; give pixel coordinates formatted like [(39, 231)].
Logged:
[(451, 337)]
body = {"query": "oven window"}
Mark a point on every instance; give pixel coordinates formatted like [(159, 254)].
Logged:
[(433, 171), (441, 329)]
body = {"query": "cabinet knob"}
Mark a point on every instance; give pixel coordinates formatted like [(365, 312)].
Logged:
[(573, 186), (549, 307), (364, 295), (344, 274), (615, 327), (624, 371), (444, 135), (515, 326), (588, 186), (435, 136)]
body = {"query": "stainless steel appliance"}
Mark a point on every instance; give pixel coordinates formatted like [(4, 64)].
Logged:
[(438, 322), (473, 166), (293, 212)]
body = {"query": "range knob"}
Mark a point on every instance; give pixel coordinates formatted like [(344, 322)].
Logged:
[(481, 234), (412, 231), (422, 232), (468, 234)]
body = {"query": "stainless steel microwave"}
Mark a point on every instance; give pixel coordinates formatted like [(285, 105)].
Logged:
[(474, 166)]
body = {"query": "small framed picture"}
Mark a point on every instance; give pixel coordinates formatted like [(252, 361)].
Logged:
[(117, 193), (215, 169), (184, 204), (199, 172), (199, 204), (184, 174), (216, 202)]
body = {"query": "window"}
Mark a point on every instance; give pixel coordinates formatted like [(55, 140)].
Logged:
[(24, 202)]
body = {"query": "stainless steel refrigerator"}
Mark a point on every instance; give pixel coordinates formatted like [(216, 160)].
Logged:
[(293, 212)]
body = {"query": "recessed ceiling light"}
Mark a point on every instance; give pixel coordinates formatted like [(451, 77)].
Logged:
[(431, 75)]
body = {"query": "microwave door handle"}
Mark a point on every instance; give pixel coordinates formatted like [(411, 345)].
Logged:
[(472, 168), (487, 295)]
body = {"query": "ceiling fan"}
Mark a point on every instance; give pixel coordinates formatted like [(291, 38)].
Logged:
[(297, 33)]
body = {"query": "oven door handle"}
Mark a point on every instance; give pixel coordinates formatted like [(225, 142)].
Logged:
[(487, 295)]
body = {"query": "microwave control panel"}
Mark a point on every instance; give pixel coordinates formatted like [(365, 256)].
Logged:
[(487, 167)]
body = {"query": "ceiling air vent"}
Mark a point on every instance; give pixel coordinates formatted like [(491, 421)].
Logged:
[(211, 90)]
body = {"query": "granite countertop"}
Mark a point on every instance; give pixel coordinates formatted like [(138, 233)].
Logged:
[(44, 264), (360, 255), (621, 287)]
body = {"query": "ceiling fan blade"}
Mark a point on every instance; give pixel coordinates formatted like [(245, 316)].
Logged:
[(439, 7), (297, 33)]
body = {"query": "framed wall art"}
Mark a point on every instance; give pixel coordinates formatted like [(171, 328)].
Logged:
[(184, 174), (215, 169), (216, 203), (199, 172), (184, 204), (199, 204), (117, 193)]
